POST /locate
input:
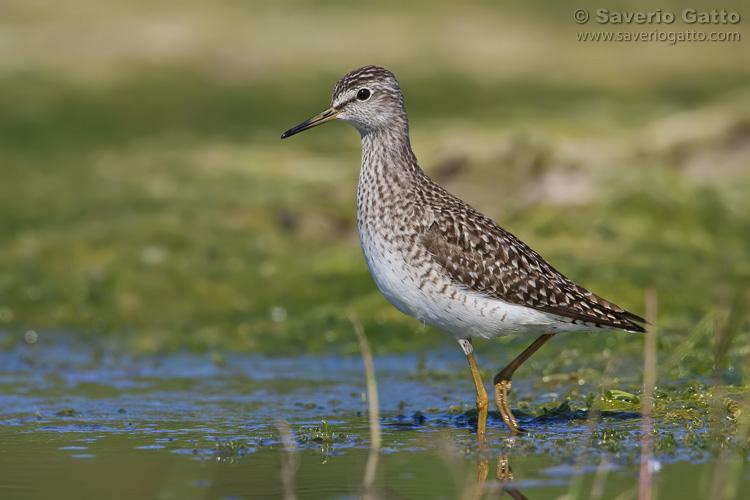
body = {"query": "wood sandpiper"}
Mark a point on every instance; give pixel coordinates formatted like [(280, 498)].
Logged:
[(442, 262)]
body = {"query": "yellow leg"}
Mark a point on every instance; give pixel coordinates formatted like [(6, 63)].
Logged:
[(483, 401), (502, 384)]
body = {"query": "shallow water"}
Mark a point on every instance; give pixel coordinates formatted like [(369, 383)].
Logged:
[(86, 422)]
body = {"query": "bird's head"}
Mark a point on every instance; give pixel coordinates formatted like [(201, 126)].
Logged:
[(369, 98)]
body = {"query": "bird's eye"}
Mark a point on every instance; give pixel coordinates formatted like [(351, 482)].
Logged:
[(363, 94)]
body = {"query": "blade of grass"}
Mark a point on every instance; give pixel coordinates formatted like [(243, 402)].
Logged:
[(288, 459), (645, 484), (728, 469), (373, 407)]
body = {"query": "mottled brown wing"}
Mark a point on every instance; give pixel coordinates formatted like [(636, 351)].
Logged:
[(486, 258)]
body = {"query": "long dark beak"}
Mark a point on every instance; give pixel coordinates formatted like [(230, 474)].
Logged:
[(326, 116)]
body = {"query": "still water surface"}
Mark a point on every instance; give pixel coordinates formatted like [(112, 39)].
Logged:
[(87, 422)]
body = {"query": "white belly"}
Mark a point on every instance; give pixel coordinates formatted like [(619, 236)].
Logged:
[(419, 288)]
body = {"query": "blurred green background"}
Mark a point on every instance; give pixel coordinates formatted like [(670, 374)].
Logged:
[(145, 195)]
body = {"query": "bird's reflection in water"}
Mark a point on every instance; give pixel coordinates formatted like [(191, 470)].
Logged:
[(503, 483), (481, 489)]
